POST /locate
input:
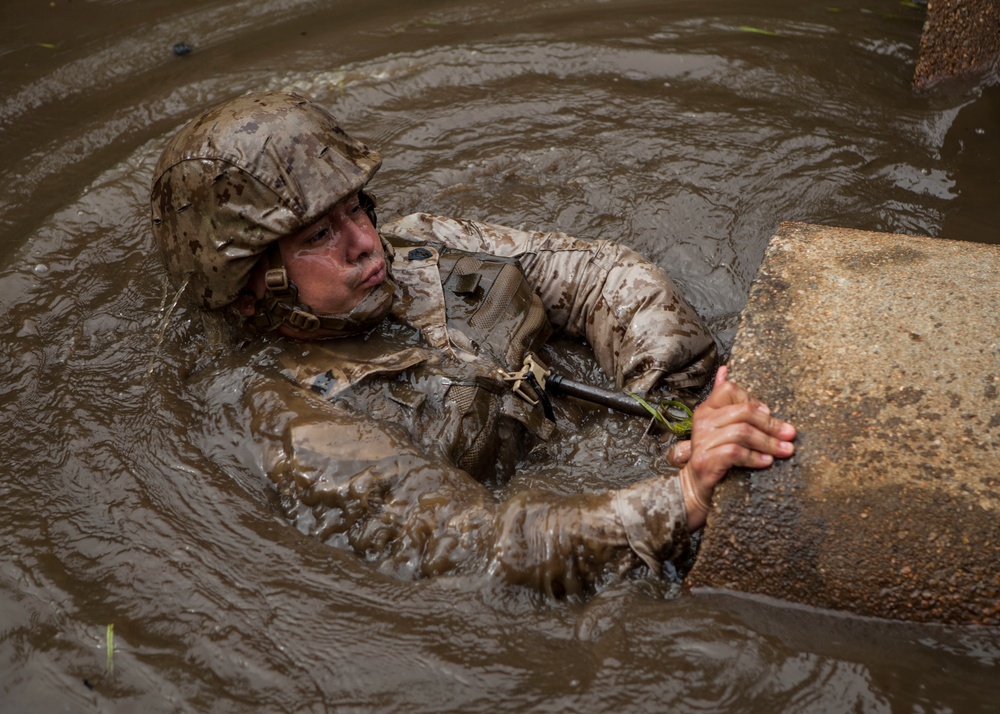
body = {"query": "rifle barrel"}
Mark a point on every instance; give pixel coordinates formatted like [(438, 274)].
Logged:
[(618, 401)]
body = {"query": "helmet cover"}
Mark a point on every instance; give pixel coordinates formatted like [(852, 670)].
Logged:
[(241, 176)]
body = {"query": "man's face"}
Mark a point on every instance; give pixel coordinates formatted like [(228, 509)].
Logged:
[(335, 261)]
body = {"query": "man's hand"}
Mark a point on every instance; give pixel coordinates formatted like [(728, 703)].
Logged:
[(729, 429)]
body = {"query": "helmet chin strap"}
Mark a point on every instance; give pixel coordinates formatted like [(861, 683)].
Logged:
[(280, 305)]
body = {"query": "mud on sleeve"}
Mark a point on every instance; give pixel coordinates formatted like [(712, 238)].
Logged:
[(571, 545), (360, 485), (642, 331)]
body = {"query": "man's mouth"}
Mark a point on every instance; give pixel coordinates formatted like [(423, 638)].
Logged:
[(375, 276)]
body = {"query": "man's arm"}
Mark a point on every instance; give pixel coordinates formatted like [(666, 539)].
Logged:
[(641, 329), (362, 484)]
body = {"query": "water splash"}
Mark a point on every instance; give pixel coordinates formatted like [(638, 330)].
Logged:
[(167, 311)]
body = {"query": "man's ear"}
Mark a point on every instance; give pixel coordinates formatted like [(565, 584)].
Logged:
[(246, 303)]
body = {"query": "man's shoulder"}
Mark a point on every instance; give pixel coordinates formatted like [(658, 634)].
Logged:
[(471, 235), (428, 228)]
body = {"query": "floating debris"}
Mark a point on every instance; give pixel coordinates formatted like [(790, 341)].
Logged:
[(680, 415), (110, 642), (183, 48), (757, 30)]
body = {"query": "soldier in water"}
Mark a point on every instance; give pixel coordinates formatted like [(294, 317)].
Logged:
[(391, 420)]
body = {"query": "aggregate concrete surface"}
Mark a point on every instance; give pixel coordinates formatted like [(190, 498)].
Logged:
[(884, 351), (961, 39)]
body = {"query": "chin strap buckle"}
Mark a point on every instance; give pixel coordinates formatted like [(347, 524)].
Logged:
[(276, 280), (302, 320)]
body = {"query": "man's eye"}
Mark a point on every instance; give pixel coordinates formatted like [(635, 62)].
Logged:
[(319, 235)]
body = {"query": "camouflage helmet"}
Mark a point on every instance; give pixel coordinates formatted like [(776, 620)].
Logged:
[(241, 176)]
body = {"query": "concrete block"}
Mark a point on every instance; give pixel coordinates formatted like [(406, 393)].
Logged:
[(884, 351), (961, 40)]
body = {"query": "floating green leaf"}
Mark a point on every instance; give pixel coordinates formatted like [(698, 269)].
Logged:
[(680, 427), (757, 30), (47, 45), (110, 642)]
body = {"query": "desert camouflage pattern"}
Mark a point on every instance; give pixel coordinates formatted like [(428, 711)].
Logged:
[(373, 444), (241, 176), (642, 330)]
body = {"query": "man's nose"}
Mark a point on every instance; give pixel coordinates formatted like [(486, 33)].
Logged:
[(360, 242)]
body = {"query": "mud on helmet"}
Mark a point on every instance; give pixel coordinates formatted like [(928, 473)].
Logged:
[(237, 179)]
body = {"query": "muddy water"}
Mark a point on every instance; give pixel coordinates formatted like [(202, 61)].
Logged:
[(131, 493)]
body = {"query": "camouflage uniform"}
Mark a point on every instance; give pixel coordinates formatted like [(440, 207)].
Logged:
[(386, 461)]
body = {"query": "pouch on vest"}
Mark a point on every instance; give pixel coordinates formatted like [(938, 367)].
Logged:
[(490, 302)]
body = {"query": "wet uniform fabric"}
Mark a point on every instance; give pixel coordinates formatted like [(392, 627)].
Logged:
[(387, 444)]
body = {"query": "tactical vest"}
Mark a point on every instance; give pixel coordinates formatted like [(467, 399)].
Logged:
[(464, 409)]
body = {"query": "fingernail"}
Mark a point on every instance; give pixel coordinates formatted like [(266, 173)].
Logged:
[(764, 408)]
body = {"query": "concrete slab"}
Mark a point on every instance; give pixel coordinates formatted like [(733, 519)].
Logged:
[(961, 40), (884, 350)]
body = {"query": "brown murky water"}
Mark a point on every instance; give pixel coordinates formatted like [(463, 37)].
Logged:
[(131, 493)]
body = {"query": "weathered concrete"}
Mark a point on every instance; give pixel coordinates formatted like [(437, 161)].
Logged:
[(884, 351), (961, 39)]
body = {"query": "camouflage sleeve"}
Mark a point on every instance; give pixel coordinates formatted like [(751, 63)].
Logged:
[(642, 331), (363, 485)]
